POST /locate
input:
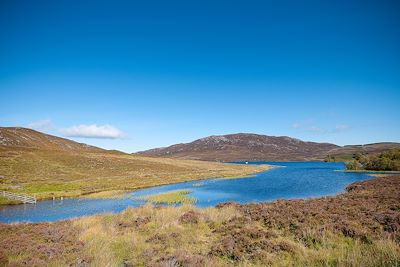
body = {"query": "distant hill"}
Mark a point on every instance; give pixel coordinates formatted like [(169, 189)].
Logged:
[(246, 147), (17, 137), (254, 147), (364, 149)]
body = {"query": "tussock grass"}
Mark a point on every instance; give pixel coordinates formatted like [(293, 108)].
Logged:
[(337, 250), (171, 198), (146, 233)]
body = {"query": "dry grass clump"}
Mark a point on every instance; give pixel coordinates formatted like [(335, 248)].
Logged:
[(358, 228), (152, 236), (171, 198)]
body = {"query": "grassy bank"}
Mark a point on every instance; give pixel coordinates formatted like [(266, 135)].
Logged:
[(358, 228), (48, 173)]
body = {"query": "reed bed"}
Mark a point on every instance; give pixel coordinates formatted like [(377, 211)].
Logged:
[(171, 198)]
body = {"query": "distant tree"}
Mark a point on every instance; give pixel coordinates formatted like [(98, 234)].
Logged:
[(354, 165), (385, 161), (357, 156), (330, 158)]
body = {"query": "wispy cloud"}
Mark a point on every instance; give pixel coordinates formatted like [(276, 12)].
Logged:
[(315, 129), (297, 125), (42, 125), (342, 127), (93, 131), (310, 127)]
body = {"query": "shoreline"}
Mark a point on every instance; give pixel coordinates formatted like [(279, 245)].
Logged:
[(370, 171), (118, 192)]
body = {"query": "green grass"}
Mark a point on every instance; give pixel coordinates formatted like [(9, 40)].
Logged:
[(340, 158), (6, 201), (171, 198)]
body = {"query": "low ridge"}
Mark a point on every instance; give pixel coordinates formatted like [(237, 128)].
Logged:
[(255, 147)]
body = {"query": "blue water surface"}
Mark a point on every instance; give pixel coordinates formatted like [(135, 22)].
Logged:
[(292, 180)]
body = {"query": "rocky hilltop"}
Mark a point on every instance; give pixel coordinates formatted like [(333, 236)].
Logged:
[(244, 146)]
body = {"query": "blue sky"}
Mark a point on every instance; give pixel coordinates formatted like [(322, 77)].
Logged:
[(133, 75)]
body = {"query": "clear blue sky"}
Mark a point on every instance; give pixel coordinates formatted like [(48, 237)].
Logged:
[(133, 75)]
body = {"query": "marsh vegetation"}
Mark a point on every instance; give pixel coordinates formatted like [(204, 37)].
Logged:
[(171, 198)]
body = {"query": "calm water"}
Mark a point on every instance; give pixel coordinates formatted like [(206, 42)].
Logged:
[(295, 180)]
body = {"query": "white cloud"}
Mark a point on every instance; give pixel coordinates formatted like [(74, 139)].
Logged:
[(93, 131), (43, 125)]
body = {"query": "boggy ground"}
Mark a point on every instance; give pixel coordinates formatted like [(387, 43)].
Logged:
[(358, 228)]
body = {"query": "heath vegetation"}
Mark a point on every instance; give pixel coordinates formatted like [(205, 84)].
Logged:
[(358, 228)]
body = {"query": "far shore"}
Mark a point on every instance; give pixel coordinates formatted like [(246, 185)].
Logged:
[(370, 171)]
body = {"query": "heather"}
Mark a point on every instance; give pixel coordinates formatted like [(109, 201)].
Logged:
[(358, 228)]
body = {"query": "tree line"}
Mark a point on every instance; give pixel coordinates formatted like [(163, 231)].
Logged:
[(385, 161)]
